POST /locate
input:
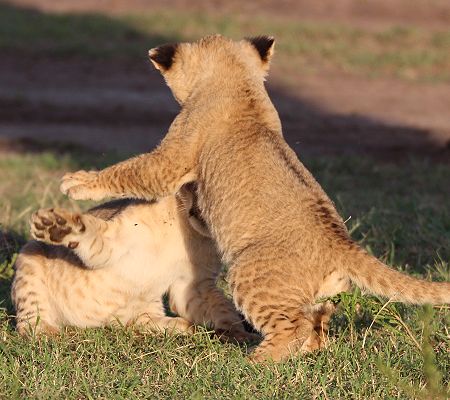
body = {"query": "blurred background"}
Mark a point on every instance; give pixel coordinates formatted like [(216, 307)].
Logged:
[(362, 88), (349, 76)]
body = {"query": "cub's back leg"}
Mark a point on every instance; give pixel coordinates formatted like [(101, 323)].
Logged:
[(196, 296), (334, 282), (30, 297), (91, 238), (321, 315), (279, 310)]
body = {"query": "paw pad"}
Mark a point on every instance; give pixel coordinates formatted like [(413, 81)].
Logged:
[(52, 227)]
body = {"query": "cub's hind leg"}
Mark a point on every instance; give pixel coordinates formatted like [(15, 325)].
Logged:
[(332, 284), (91, 238), (321, 315), (275, 307), (284, 335), (29, 294)]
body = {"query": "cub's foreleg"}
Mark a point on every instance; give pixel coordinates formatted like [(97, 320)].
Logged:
[(91, 238), (149, 176)]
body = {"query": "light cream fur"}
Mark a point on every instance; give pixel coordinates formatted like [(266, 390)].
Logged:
[(125, 256)]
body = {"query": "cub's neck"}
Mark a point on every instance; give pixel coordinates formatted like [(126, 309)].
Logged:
[(220, 103)]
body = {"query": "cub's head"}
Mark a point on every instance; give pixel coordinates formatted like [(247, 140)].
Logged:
[(187, 66)]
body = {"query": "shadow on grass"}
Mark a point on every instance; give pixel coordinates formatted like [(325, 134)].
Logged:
[(10, 244), (27, 31), (5, 296)]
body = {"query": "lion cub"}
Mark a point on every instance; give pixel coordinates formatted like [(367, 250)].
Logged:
[(113, 265), (275, 227)]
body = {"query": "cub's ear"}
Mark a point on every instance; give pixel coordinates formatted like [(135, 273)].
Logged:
[(264, 45), (162, 56)]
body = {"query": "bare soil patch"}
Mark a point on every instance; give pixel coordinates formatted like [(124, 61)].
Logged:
[(120, 105), (127, 108), (375, 13)]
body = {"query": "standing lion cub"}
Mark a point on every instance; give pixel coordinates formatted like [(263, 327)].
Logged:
[(275, 227), (113, 265)]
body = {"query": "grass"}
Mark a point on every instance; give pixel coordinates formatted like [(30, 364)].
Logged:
[(400, 51), (376, 349)]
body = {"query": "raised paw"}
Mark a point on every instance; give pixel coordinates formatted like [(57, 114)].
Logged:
[(56, 226), (82, 185)]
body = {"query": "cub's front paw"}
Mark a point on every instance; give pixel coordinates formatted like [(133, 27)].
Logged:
[(56, 226), (82, 185)]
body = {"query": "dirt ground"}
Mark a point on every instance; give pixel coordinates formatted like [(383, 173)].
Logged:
[(127, 107), (429, 13)]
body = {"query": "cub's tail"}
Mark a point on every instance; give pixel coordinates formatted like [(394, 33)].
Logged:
[(370, 274)]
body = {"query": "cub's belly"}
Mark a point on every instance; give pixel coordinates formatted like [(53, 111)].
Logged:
[(100, 299)]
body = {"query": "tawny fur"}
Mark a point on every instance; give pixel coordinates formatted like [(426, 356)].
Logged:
[(113, 265), (275, 227)]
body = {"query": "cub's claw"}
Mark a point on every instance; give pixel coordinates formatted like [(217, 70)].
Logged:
[(81, 185), (56, 226)]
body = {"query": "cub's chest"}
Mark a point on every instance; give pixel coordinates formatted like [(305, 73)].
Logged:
[(152, 253)]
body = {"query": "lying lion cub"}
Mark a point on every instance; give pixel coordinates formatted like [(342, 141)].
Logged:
[(114, 263)]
